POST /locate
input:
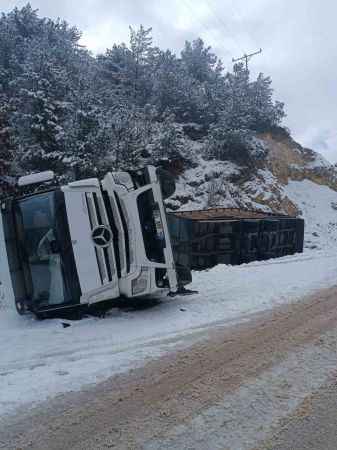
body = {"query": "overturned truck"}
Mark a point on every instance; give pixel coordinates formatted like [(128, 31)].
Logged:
[(79, 245), (89, 241), (204, 238)]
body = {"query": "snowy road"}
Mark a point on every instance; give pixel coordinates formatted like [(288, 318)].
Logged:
[(42, 359), (232, 390), (313, 426)]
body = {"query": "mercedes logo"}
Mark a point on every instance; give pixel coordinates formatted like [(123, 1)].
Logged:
[(102, 236)]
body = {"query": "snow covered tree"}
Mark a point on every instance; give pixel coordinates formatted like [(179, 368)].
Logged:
[(165, 85), (237, 109), (169, 141), (142, 52), (245, 108), (64, 109), (44, 55), (126, 135), (6, 147), (113, 68), (265, 113), (234, 144), (199, 61)]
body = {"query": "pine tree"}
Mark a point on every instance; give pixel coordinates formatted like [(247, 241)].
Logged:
[(63, 108), (199, 61), (265, 112), (169, 142), (6, 147), (114, 69), (142, 51)]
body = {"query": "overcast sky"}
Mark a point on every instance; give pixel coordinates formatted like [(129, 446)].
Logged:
[(298, 39)]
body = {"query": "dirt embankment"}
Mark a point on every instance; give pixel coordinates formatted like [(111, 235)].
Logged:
[(287, 160), (138, 410)]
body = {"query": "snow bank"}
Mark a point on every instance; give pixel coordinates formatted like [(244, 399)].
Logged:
[(319, 209), (41, 359)]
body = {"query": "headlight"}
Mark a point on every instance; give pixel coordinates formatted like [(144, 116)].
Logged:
[(139, 284)]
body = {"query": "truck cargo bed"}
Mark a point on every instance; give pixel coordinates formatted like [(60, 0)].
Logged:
[(204, 238)]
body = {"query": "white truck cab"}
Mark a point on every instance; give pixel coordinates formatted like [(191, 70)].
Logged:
[(87, 242)]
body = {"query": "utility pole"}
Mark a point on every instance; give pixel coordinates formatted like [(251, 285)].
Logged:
[(247, 57)]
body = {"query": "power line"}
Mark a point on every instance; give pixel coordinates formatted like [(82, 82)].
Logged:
[(224, 27), (236, 11), (188, 7), (222, 23), (246, 57), (206, 30)]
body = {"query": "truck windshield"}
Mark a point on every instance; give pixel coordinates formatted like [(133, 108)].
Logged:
[(152, 227), (39, 236)]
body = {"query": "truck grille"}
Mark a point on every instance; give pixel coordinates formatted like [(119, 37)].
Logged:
[(116, 234), (104, 255)]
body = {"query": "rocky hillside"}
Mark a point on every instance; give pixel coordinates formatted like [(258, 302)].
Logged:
[(289, 179), (288, 160), (260, 184)]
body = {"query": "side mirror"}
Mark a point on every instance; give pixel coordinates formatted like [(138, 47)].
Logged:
[(167, 183)]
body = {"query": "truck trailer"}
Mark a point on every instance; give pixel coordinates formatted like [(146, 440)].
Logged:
[(201, 239), (87, 242)]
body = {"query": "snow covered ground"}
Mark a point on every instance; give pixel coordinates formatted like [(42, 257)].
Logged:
[(42, 359), (319, 209)]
